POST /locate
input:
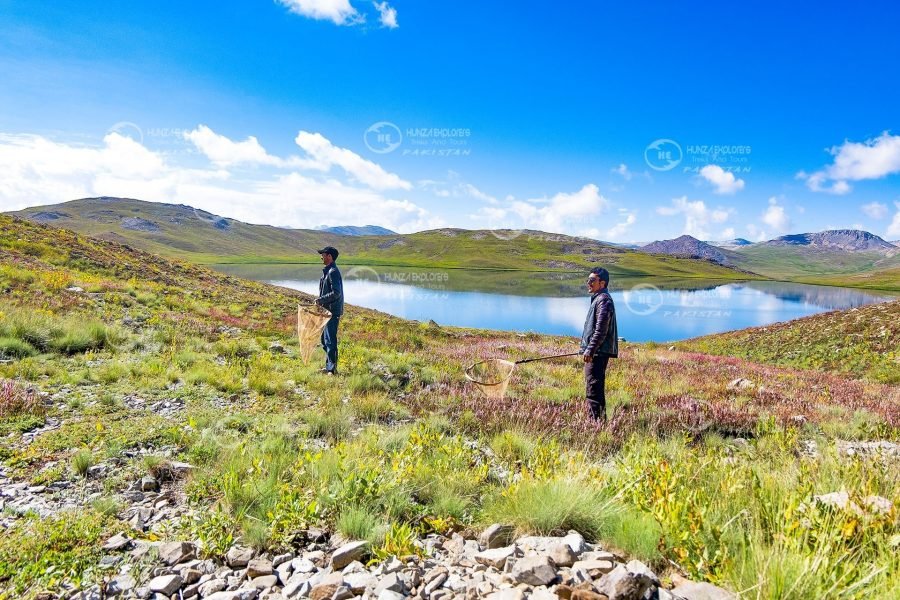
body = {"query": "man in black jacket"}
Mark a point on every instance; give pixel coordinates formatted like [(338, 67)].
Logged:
[(599, 341), (331, 297)]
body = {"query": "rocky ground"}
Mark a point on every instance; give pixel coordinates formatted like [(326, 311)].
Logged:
[(460, 567)]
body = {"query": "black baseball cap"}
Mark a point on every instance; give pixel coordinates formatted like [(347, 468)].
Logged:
[(330, 250)]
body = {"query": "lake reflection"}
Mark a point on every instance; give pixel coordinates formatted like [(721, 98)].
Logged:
[(647, 310)]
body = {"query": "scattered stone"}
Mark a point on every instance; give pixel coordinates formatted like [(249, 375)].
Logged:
[(117, 542), (237, 556), (496, 536), (347, 553), (120, 585), (149, 484), (264, 582), (165, 584), (390, 595), (621, 584), (173, 553), (258, 567), (841, 500), (563, 555), (507, 594), (594, 567), (495, 557), (700, 590), (740, 384), (534, 570)]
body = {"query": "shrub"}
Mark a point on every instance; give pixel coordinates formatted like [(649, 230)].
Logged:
[(356, 523), (82, 461), (549, 507), (16, 400), (11, 347)]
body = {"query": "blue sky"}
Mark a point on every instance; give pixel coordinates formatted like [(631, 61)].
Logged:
[(778, 119)]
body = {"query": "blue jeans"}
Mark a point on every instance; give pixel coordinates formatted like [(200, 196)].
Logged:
[(330, 343)]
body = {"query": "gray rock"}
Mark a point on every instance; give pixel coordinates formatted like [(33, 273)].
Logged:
[(296, 587), (435, 583), (636, 566), (211, 587), (495, 557), (506, 594), (238, 556), (281, 559), (117, 542), (303, 565), (620, 584), (347, 553), (264, 582), (234, 595), (258, 567), (496, 536), (359, 582), (390, 595), (390, 582), (576, 542), (120, 584), (596, 568), (693, 590), (534, 570), (173, 553), (149, 484), (563, 555), (165, 584)]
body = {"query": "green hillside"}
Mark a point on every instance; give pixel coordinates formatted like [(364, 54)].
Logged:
[(120, 366), (190, 234), (818, 265)]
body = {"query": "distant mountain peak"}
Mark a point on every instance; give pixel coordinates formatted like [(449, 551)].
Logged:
[(688, 247), (358, 230), (848, 240)]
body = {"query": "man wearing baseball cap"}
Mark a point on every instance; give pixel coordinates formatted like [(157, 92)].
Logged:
[(331, 298), (599, 341)]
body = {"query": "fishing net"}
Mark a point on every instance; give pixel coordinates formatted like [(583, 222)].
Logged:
[(491, 376), (310, 321)]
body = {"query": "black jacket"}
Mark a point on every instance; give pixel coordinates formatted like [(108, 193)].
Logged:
[(600, 336), (331, 290)]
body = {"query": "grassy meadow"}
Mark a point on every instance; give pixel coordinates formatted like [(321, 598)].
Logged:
[(708, 466)]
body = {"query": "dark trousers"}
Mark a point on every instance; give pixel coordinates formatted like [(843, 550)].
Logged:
[(330, 343), (595, 384)]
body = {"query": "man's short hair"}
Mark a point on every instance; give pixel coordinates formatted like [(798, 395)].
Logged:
[(602, 273)]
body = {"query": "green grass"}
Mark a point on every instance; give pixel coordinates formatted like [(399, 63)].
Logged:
[(400, 445), (863, 342)]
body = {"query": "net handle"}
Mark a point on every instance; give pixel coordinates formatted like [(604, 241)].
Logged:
[(528, 360)]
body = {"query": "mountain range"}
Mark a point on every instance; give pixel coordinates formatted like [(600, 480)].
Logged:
[(838, 257), (187, 233)]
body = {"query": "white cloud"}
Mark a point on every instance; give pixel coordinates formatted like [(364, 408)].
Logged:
[(339, 12), (728, 233), (387, 15), (724, 181), (324, 155), (855, 161), (775, 217), (621, 228), (875, 210), (225, 152), (622, 170), (563, 212), (697, 217), (756, 234), (35, 170), (893, 229)]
